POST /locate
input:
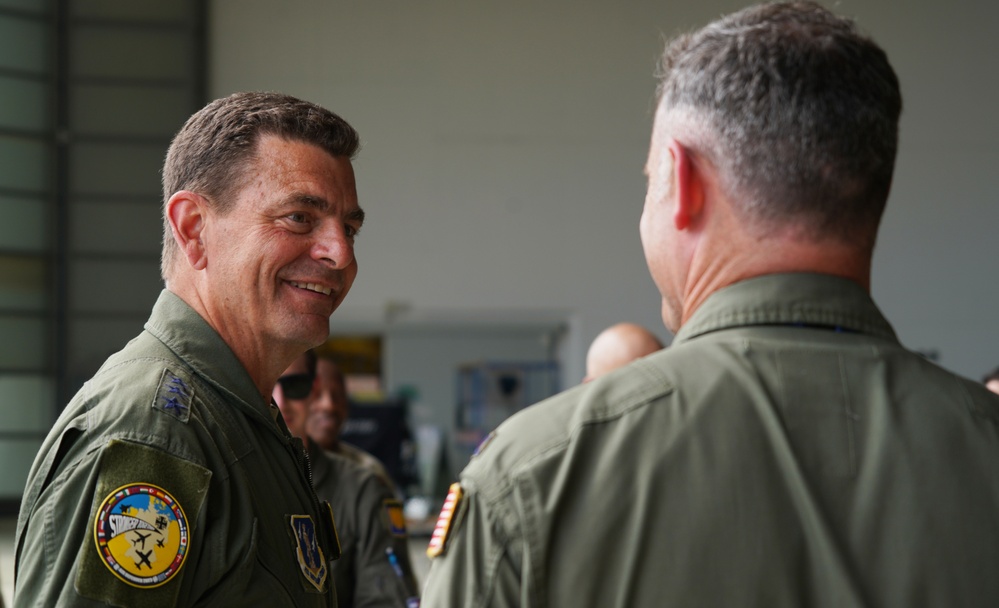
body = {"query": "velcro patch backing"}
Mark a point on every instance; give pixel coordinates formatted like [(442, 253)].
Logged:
[(141, 526)]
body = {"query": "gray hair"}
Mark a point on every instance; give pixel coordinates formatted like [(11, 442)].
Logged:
[(797, 110)]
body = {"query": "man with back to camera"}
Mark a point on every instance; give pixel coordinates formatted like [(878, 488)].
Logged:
[(786, 450), (374, 567), (170, 479), (617, 346)]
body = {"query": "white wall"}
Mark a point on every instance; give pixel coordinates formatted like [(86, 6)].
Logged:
[(504, 143)]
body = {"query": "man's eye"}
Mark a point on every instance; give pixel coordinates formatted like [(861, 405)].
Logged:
[(351, 231), (299, 218)]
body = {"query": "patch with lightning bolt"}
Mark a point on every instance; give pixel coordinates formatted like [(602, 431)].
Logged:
[(308, 552)]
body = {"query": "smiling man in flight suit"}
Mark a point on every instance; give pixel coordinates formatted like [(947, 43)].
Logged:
[(786, 450), (170, 479)]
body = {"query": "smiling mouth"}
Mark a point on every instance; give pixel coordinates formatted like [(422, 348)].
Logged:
[(312, 287)]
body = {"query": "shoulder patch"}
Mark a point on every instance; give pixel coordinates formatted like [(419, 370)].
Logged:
[(142, 535), (142, 526), (394, 518), (307, 550), (438, 540), (174, 396)]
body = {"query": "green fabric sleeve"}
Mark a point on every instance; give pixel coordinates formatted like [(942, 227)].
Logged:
[(479, 567), (126, 570)]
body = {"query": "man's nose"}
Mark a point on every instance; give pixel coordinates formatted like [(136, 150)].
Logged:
[(333, 245)]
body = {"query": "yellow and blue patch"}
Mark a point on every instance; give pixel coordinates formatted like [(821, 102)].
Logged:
[(141, 534), (394, 517), (308, 552)]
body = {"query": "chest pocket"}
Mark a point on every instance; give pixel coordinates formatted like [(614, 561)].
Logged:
[(250, 583), (265, 484)]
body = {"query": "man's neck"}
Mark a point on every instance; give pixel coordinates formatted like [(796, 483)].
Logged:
[(264, 363), (747, 258)]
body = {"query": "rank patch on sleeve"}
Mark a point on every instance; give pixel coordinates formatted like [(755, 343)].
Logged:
[(141, 534), (394, 517), (438, 540), (308, 552)]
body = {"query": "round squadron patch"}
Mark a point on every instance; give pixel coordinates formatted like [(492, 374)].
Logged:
[(141, 534)]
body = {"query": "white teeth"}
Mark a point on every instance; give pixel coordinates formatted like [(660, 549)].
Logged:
[(313, 287)]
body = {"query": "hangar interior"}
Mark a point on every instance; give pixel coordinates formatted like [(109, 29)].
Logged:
[(501, 168)]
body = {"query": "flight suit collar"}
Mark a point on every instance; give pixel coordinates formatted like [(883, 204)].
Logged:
[(186, 333), (803, 299)]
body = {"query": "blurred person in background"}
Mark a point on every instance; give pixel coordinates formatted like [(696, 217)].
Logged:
[(617, 346), (328, 413), (374, 568)]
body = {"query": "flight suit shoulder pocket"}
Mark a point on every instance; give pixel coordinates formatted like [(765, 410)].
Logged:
[(141, 529)]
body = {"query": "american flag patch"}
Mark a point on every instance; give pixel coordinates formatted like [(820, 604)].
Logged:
[(438, 540)]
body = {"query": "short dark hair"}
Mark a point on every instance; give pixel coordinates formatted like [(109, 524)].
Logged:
[(798, 111), (214, 147)]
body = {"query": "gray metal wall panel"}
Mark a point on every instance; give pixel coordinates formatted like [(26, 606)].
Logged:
[(116, 168), (25, 225), (25, 104), (115, 52), (26, 164), (129, 110), (113, 227), (112, 286)]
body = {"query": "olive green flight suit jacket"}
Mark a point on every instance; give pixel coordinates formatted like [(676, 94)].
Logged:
[(785, 451), (374, 568), (169, 481), (366, 461)]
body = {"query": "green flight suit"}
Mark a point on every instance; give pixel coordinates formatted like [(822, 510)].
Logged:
[(374, 569), (785, 451), (168, 481), (366, 461)]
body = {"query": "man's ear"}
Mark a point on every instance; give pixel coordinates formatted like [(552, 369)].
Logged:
[(689, 184), (187, 212)]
